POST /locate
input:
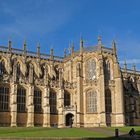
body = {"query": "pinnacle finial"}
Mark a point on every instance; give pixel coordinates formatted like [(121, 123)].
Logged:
[(99, 40), (65, 52), (134, 67), (114, 47), (38, 49), (81, 45), (81, 38), (51, 53), (9, 45), (72, 49), (125, 64), (24, 45)]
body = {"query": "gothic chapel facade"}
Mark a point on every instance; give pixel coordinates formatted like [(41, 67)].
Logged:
[(86, 88)]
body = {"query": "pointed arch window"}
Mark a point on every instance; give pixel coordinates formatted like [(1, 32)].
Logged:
[(21, 100), (37, 101), (66, 99), (4, 99), (107, 70), (90, 69), (108, 101), (91, 97), (53, 103), (2, 67), (18, 69)]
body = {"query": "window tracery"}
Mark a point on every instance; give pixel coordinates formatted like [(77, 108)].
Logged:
[(91, 101), (21, 100), (37, 101), (107, 70), (4, 99), (91, 69), (108, 101), (52, 102)]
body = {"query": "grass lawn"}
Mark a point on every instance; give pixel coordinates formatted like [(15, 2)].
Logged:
[(63, 132), (48, 132), (126, 129)]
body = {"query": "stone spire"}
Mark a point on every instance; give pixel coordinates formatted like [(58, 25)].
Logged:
[(114, 47), (51, 54), (81, 45), (9, 45), (65, 53), (38, 50)]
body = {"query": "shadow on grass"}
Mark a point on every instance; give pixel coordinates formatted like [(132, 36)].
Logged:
[(120, 137)]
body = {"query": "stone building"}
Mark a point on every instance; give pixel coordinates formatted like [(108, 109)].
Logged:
[(85, 88)]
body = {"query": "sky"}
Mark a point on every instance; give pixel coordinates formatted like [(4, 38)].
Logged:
[(58, 23)]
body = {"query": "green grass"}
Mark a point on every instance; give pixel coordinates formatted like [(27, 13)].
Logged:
[(63, 132), (48, 132)]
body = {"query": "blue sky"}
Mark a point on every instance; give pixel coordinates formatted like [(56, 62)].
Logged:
[(56, 23)]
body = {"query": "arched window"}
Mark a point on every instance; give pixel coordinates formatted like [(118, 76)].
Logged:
[(18, 69), (37, 101), (2, 67), (90, 69), (21, 100), (4, 99), (108, 102), (53, 104), (66, 99), (107, 70), (91, 97)]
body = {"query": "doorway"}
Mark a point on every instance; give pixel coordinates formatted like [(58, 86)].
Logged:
[(69, 119)]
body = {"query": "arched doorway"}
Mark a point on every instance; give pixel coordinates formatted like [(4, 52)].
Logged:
[(69, 119)]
